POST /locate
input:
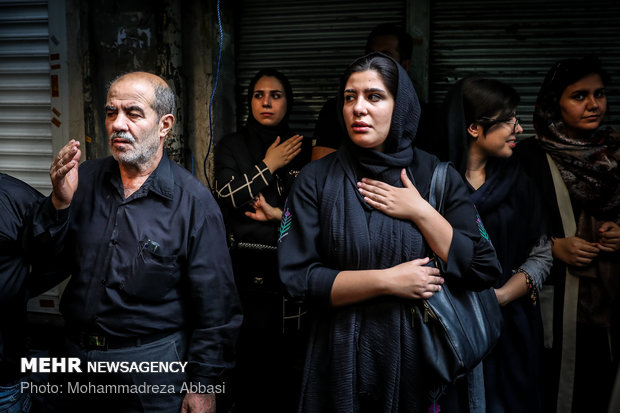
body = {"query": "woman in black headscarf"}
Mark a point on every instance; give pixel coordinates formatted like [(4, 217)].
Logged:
[(254, 170), (352, 246), (480, 132), (574, 161)]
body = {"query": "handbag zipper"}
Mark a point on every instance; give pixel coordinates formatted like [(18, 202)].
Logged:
[(429, 311)]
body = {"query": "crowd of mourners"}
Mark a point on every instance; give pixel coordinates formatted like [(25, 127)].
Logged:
[(291, 284)]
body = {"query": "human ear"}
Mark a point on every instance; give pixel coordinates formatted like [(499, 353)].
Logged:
[(165, 124), (474, 130)]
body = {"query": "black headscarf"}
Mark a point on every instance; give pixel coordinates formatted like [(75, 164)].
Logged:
[(454, 134), (263, 136), (344, 207), (398, 154)]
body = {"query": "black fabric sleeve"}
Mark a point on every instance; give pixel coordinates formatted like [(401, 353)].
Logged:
[(43, 242), (301, 267), (235, 184), (214, 300), (46, 228)]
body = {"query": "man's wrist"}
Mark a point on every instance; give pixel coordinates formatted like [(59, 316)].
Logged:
[(53, 215), (58, 204)]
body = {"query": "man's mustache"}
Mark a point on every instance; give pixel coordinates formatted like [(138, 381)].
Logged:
[(126, 136)]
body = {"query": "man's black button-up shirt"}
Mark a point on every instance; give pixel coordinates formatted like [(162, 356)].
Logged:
[(152, 263)]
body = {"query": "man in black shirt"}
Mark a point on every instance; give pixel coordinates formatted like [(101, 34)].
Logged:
[(16, 199), (145, 243)]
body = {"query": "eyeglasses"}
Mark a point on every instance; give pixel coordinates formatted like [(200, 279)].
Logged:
[(514, 124)]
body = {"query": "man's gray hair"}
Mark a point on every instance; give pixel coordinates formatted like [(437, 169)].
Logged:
[(163, 101)]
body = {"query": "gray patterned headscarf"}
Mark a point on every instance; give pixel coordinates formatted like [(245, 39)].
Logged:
[(588, 164)]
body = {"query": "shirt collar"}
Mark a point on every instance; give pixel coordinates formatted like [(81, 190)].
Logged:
[(162, 179), (160, 182)]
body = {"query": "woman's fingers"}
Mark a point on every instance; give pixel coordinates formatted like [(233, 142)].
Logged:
[(588, 253), (421, 261), (291, 148), (291, 145), (295, 151), (609, 237), (293, 142), (275, 143), (405, 179), (373, 203), (374, 183), (373, 191), (589, 249), (606, 248), (607, 226), (431, 286)]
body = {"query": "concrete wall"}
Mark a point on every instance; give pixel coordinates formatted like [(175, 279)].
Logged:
[(120, 37), (201, 49), (175, 39)]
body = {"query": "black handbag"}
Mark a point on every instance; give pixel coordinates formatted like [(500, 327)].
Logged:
[(458, 327)]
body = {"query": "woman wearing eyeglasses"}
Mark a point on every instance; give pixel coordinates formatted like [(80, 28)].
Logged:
[(481, 131), (574, 162)]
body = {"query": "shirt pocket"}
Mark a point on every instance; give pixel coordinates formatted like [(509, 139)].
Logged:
[(154, 275)]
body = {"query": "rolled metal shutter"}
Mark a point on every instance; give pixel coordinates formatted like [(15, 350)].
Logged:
[(518, 42), (25, 92), (311, 42)]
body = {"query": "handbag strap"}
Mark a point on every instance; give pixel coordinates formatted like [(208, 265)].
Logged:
[(475, 379), (436, 192), (438, 186)]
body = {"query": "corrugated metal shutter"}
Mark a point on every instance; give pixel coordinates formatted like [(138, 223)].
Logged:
[(311, 42), (25, 92), (517, 42)]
